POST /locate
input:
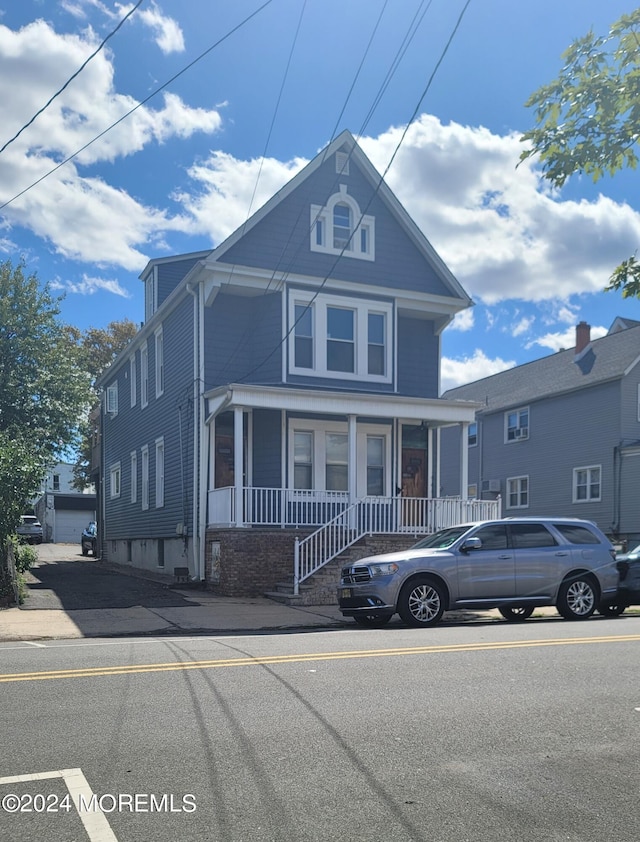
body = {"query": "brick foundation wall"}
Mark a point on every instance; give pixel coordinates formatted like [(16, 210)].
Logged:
[(252, 561)]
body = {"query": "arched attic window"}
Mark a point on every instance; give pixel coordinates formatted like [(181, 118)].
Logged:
[(339, 228)]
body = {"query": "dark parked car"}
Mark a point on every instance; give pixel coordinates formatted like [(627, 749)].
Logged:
[(628, 592), (30, 529), (89, 539)]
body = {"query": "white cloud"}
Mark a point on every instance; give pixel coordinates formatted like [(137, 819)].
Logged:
[(522, 326), (83, 218), (168, 33), (459, 372), (561, 341), (89, 286), (463, 321), (504, 233)]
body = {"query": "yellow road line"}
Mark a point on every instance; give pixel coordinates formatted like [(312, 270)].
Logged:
[(127, 669)]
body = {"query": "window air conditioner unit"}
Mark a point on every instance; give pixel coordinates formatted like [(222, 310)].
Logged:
[(492, 485), (521, 433)]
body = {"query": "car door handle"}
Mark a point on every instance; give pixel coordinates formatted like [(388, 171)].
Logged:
[(560, 553), (505, 556)]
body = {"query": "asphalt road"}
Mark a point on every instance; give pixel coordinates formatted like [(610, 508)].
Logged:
[(483, 733)]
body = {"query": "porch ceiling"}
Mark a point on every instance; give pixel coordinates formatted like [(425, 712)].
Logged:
[(433, 410)]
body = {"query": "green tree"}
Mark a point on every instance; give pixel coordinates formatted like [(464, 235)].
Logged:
[(44, 391), (98, 349), (588, 119)]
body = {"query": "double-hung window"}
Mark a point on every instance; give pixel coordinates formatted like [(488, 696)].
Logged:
[(336, 462), (341, 226), (144, 454), (341, 350), (303, 351), (303, 459), (333, 336), (517, 492), (159, 473), (159, 349), (115, 480), (132, 379), (134, 476), (144, 375), (587, 484), (375, 466), (516, 424), (341, 229)]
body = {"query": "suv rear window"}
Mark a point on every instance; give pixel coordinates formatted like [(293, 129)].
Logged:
[(528, 535), (576, 534)]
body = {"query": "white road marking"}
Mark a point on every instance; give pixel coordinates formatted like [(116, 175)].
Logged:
[(94, 821), (32, 643)]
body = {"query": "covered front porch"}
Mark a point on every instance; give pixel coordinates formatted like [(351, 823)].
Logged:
[(290, 458)]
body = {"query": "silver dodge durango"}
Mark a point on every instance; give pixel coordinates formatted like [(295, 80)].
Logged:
[(514, 564)]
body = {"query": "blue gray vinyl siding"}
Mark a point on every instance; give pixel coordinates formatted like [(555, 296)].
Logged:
[(418, 358), (281, 242), (267, 449), (243, 340), (626, 505), (630, 406), (169, 416), (575, 430), (171, 273)]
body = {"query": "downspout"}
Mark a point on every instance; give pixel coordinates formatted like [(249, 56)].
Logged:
[(196, 533)]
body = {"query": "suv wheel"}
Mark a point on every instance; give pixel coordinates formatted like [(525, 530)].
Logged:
[(577, 598), (516, 614), (421, 602)]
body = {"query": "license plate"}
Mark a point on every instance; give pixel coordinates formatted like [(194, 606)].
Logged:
[(346, 593)]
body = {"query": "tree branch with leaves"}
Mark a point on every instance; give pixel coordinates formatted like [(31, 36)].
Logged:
[(588, 119)]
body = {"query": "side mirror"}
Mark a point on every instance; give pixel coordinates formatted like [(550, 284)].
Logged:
[(471, 544)]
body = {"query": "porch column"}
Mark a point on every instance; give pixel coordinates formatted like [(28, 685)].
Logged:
[(430, 463), (353, 473), (238, 462), (464, 460)]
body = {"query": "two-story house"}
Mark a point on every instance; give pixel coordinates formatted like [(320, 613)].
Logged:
[(281, 399), (559, 435)]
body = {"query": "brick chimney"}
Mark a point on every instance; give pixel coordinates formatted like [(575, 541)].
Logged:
[(583, 336)]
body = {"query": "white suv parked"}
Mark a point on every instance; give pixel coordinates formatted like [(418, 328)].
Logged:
[(514, 564)]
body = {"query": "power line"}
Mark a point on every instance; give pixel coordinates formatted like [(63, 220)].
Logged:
[(140, 104), (71, 78)]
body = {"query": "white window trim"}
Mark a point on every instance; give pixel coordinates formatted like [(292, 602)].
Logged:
[(519, 492), (519, 436), (160, 472), (324, 216), (638, 401), (362, 308), (111, 399), (159, 361), (319, 429), (115, 481), (587, 468), (132, 378), (144, 375), (134, 476), (145, 477), (151, 294)]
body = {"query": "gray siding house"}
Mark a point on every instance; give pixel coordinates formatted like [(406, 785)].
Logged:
[(558, 436), (281, 401)]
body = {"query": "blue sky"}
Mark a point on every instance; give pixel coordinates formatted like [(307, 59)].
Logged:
[(188, 166)]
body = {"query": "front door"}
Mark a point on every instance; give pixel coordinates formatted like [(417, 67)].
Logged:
[(414, 472)]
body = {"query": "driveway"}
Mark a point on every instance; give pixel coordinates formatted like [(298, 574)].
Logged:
[(64, 579)]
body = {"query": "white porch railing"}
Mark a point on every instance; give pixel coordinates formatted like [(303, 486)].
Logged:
[(379, 515), (282, 507)]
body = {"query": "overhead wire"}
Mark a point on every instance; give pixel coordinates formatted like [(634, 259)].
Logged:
[(72, 77), (140, 104)]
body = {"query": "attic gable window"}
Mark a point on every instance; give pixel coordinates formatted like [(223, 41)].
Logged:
[(340, 228)]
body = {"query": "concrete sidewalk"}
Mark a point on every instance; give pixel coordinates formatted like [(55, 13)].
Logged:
[(194, 610)]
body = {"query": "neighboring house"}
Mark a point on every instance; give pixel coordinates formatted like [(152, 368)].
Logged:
[(560, 435), (62, 510), (287, 379)]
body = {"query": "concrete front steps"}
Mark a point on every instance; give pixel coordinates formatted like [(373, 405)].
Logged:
[(320, 588)]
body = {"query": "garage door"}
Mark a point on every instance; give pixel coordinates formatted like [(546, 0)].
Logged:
[(69, 525)]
